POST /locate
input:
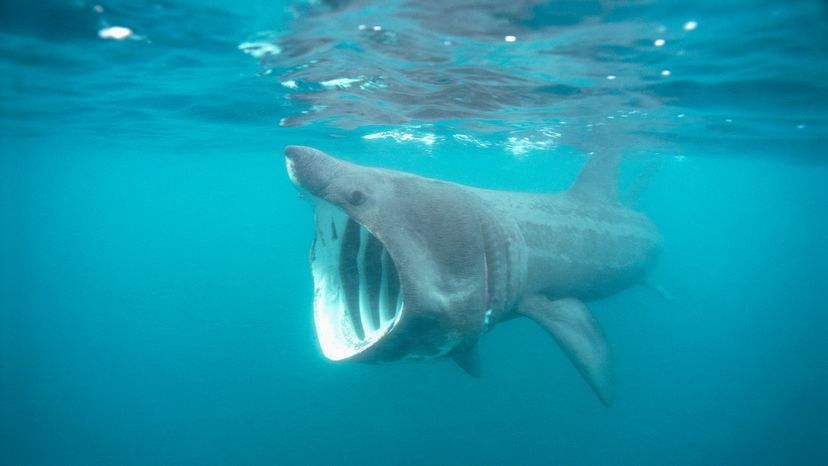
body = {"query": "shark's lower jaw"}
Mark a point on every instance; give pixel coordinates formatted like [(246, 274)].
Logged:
[(357, 294)]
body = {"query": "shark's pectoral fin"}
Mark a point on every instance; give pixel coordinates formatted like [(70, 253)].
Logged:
[(577, 332), (469, 361)]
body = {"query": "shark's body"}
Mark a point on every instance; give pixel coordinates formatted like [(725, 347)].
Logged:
[(407, 267)]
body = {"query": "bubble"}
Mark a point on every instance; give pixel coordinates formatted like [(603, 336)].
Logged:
[(115, 33), (510, 38), (690, 26), (659, 42), (260, 49), (340, 83), (611, 77), (665, 73)]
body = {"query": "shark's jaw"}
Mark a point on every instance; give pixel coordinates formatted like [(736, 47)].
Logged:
[(357, 294)]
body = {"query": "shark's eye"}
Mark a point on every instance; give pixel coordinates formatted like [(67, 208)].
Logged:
[(356, 197)]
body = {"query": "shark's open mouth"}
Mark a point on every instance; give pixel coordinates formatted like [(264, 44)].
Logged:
[(357, 295)]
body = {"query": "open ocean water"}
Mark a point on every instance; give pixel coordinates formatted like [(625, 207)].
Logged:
[(154, 280)]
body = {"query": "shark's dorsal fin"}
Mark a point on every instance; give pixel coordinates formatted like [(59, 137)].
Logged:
[(598, 180)]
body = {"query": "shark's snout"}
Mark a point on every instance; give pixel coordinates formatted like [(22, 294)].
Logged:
[(303, 153), (310, 169), (296, 161)]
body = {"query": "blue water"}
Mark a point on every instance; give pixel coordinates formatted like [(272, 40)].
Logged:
[(154, 280)]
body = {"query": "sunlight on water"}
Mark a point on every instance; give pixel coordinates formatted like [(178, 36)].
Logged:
[(417, 82)]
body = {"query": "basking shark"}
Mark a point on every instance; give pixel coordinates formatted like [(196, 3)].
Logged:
[(412, 268)]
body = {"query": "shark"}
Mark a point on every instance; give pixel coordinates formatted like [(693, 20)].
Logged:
[(407, 267)]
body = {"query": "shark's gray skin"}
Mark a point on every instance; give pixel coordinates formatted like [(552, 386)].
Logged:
[(407, 267)]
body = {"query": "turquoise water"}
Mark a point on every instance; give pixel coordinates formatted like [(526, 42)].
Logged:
[(156, 294)]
